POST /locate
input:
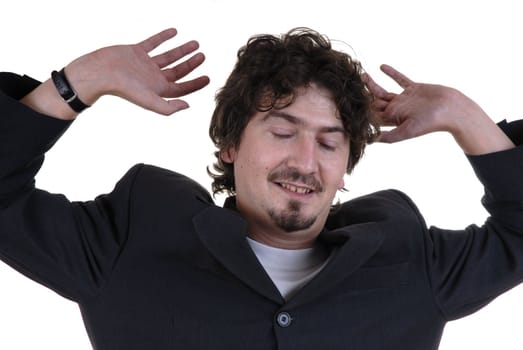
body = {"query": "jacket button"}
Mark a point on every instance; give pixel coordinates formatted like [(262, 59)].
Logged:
[(284, 319)]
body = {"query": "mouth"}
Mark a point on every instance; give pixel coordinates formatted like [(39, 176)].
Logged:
[(296, 189), (296, 184)]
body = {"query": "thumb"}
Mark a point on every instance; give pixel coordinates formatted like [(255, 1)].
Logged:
[(402, 132), (158, 104)]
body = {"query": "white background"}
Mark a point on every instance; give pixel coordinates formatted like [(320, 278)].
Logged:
[(474, 46)]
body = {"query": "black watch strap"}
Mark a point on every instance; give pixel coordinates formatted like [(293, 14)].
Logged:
[(66, 91)]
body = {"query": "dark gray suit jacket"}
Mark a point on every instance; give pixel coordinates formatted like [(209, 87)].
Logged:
[(156, 265)]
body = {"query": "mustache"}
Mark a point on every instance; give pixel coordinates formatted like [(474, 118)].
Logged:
[(294, 175)]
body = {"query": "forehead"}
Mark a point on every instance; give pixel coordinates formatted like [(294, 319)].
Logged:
[(311, 106)]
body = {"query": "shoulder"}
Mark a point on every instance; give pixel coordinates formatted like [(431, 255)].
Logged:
[(157, 183), (393, 216), (382, 206)]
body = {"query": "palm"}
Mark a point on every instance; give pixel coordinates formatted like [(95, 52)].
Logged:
[(150, 82), (417, 110)]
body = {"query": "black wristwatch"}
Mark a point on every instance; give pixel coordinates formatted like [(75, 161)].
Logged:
[(66, 91)]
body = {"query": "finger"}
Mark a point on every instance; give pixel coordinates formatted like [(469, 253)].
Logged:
[(174, 106), (387, 117), (386, 120), (404, 131), (156, 40), (175, 54), (392, 136), (375, 88), (398, 77), (168, 107), (184, 68), (379, 105), (187, 87), (385, 136), (151, 101)]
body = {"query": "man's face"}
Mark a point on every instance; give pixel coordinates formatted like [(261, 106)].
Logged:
[(288, 167)]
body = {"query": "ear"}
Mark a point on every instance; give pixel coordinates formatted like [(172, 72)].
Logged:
[(341, 185), (228, 155)]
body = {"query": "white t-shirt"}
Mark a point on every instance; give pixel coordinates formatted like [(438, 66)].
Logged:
[(290, 269)]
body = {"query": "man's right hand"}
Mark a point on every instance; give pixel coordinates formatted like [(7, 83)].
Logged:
[(129, 72)]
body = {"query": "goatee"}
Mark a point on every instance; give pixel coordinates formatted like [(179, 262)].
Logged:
[(290, 219)]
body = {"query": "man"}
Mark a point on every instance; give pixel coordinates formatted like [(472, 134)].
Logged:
[(156, 265)]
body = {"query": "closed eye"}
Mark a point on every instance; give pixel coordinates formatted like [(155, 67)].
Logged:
[(282, 134), (327, 146)]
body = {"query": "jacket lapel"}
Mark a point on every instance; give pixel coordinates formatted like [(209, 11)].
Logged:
[(223, 232), (352, 247)]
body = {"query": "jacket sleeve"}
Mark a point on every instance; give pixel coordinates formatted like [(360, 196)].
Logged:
[(70, 247), (468, 268)]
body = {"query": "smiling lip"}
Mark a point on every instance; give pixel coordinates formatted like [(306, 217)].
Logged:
[(295, 189), (292, 181)]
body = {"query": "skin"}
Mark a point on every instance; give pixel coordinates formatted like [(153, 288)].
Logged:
[(129, 72), (288, 167), (153, 83), (426, 108)]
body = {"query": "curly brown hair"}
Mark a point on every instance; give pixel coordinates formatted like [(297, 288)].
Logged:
[(268, 72)]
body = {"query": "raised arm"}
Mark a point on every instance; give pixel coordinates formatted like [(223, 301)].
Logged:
[(424, 108), (71, 247), (466, 268), (127, 71)]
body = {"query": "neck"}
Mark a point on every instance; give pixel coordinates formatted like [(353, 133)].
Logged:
[(283, 240), (261, 231)]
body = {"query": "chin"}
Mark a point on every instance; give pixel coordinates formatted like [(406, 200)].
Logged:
[(292, 221)]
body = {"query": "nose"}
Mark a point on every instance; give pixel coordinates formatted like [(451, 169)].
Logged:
[(304, 155)]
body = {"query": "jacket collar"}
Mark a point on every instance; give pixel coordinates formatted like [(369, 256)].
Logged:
[(351, 246), (223, 231)]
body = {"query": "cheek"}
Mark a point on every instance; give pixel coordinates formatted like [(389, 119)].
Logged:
[(334, 172), (259, 162), (250, 168)]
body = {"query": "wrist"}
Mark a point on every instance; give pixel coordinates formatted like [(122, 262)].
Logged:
[(67, 91), (474, 131), (84, 76), (46, 100), (462, 115)]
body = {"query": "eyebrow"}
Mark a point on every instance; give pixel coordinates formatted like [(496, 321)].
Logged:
[(297, 121)]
